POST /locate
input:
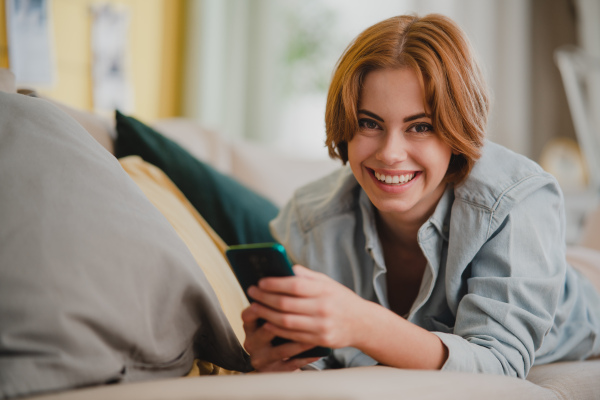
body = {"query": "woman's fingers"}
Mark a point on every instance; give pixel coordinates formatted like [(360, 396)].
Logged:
[(279, 358), (284, 303), (298, 286), (264, 356), (316, 337), (285, 319), (256, 338), (308, 308), (300, 270), (292, 364), (299, 328)]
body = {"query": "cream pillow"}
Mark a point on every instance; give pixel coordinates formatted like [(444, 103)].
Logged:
[(204, 244)]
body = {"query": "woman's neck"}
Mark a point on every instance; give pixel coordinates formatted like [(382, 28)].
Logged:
[(398, 231), (402, 229)]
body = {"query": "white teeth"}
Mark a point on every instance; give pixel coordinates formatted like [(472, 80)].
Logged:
[(394, 179)]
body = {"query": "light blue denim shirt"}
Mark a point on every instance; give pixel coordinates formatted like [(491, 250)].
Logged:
[(497, 289)]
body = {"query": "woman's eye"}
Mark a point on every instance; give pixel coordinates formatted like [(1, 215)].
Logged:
[(368, 124), (421, 128)]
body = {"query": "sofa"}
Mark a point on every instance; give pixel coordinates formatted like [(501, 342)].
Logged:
[(113, 280)]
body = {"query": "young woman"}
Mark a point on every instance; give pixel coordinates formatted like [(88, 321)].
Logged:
[(435, 249)]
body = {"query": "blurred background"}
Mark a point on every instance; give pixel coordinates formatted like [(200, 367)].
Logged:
[(258, 70)]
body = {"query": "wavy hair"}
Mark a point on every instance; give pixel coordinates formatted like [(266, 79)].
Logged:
[(453, 85)]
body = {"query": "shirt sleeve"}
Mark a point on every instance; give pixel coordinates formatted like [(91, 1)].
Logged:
[(515, 282), (286, 230)]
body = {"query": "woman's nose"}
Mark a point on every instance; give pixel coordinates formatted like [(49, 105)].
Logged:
[(392, 149)]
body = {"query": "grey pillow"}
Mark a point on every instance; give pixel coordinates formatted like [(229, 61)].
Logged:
[(95, 285)]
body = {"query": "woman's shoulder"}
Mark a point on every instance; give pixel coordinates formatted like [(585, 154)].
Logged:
[(325, 198), (502, 175)]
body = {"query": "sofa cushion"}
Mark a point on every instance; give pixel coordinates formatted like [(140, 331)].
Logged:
[(236, 213), (569, 380), (253, 165), (100, 127), (361, 383), (95, 284), (206, 247), (204, 144)]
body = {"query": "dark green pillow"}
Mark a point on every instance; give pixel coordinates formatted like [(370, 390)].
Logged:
[(236, 213)]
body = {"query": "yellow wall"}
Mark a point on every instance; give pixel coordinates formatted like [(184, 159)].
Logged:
[(156, 50), (3, 42)]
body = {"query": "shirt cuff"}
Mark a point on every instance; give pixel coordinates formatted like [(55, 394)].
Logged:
[(459, 353)]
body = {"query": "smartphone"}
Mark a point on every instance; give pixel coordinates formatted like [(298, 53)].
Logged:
[(252, 262)]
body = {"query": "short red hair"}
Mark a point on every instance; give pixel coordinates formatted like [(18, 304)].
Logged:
[(453, 85)]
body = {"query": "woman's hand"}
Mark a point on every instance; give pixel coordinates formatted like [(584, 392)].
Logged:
[(309, 308), (312, 309), (263, 355)]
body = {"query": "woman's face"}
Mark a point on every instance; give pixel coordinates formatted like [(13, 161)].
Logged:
[(395, 155)]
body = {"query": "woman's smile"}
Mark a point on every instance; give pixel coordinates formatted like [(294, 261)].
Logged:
[(395, 182), (394, 178)]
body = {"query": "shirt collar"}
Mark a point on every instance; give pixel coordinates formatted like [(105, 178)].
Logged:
[(441, 215), (368, 220), (440, 218)]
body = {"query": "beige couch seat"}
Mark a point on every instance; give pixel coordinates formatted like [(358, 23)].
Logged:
[(571, 380)]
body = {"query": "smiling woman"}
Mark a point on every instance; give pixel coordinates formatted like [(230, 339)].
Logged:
[(434, 249)]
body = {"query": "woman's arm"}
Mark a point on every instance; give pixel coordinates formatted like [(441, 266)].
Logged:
[(312, 308)]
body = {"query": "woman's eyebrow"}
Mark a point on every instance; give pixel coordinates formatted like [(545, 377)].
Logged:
[(407, 119), (372, 115), (416, 116)]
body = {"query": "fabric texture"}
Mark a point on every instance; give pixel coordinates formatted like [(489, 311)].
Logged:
[(101, 128), (237, 214), (204, 244), (362, 383), (497, 289), (95, 284)]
